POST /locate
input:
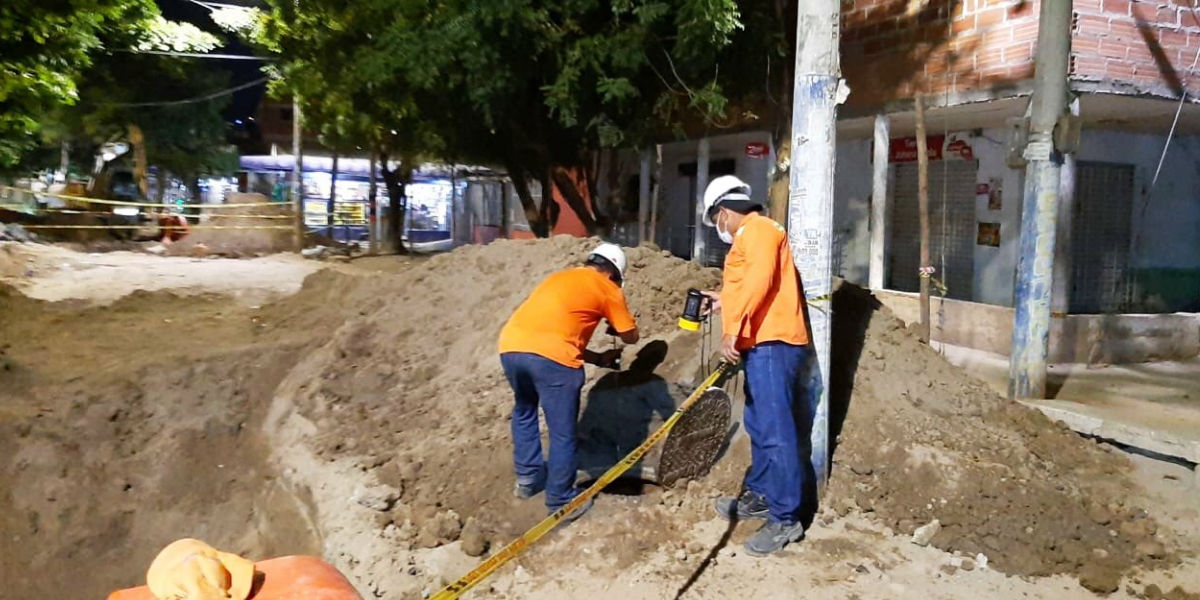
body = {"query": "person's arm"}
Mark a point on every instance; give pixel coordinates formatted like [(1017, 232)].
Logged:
[(619, 319)]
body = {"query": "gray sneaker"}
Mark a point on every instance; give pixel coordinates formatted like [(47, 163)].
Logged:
[(772, 537), (526, 489), (747, 507)]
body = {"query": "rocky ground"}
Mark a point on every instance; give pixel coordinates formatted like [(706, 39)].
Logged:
[(362, 416)]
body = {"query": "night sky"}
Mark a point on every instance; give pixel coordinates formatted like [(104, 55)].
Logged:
[(241, 71)]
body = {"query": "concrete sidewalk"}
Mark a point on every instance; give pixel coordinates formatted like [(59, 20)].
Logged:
[(1150, 406)]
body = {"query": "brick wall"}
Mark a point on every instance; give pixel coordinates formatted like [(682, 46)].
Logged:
[(893, 49), (1144, 47)]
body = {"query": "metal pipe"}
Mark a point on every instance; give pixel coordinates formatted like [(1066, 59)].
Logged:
[(1039, 212)]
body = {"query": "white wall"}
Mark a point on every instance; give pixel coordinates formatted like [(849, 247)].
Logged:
[(679, 204), (852, 208), (994, 267)]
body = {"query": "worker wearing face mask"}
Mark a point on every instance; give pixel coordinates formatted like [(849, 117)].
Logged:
[(762, 317)]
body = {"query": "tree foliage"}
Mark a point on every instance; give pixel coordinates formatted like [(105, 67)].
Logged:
[(533, 86), (46, 47)]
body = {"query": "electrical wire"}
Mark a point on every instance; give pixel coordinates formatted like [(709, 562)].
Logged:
[(204, 98)]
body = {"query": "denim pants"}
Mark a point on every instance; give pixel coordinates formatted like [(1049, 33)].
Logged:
[(536, 380), (778, 418)]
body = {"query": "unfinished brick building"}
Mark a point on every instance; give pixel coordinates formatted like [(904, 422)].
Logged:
[(1124, 247)]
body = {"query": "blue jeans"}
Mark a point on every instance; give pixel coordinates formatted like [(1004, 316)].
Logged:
[(536, 380), (778, 418)]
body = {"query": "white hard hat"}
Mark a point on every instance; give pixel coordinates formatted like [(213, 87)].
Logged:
[(725, 187), (613, 254)]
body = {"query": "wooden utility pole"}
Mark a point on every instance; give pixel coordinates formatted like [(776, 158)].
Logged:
[(923, 208), (818, 89)]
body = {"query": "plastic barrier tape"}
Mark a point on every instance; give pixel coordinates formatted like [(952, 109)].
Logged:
[(146, 204), (188, 228), (509, 552)]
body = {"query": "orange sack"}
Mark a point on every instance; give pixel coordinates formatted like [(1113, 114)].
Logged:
[(284, 578)]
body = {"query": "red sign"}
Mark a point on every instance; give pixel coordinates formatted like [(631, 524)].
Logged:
[(982, 189), (757, 150), (904, 150)]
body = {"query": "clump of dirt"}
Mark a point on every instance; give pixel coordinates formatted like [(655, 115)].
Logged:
[(923, 441)]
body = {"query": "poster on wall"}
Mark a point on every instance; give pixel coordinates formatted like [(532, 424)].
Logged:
[(995, 198), (989, 235)]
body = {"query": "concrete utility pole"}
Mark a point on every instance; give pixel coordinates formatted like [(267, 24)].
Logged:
[(643, 196), (698, 239), (818, 90), (297, 175), (879, 202), (1039, 211), (1060, 302)]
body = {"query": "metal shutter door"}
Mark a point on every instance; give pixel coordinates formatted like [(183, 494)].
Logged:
[(952, 228), (1101, 237)]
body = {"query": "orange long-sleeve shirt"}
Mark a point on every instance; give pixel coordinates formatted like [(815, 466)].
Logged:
[(760, 296)]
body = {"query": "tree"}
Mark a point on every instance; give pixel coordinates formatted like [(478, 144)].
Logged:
[(534, 86), (45, 47)]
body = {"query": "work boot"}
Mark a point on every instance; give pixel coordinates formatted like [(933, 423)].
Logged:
[(772, 537), (575, 514), (528, 489), (747, 507)]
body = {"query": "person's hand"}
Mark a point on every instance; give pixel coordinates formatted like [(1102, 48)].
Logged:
[(729, 349), (610, 359), (714, 304)]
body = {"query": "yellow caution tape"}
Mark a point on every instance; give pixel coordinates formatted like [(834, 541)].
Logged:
[(151, 226), (145, 204), (509, 552)]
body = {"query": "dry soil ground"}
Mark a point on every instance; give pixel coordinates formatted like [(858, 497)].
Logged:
[(362, 416)]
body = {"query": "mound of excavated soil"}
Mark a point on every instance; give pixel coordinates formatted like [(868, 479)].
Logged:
[(239, 242), (125, 427), (924, 441), (379, 403)]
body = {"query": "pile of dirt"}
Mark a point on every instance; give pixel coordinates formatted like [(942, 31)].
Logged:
[(922, 441), (127, 426), (274, 220), (376, 407)]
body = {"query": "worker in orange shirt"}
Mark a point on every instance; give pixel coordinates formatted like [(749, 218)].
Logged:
[(542, 349), (762, 326)]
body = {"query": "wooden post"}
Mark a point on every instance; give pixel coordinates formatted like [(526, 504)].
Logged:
[(643, 196), (923, 208)]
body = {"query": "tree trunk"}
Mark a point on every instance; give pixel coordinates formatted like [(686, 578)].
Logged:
[(331, 220), (64, 160), (533, 215), (923, 207), (549, 208), (138, 142), (396, 181), (372, 209)]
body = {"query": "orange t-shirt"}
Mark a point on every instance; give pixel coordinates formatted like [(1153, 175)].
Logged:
[(760, 298), (556, 321)]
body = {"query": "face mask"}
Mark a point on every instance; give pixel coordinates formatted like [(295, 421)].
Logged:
[(724, 234)]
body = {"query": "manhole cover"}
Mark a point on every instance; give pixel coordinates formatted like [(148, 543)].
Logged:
[(693, 444)]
